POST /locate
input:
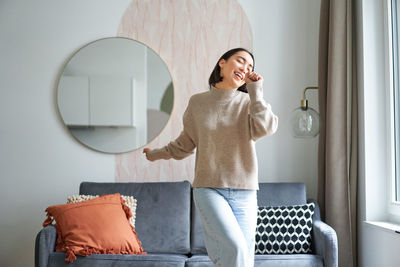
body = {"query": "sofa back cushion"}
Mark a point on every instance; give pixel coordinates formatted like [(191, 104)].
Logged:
[(269, 194), (281, 194), (162, 213)]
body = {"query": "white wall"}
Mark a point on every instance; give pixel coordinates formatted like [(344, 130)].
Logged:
[(41, 163)]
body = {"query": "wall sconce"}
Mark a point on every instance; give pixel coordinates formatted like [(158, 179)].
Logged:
[(305, 120)]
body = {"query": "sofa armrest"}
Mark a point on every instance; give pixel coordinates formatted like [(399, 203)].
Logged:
[(325, 243), (44, 245)]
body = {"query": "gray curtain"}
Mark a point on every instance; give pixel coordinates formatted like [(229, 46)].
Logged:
[(337, 150)]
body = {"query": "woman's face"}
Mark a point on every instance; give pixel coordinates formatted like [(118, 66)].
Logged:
[(233, 70)]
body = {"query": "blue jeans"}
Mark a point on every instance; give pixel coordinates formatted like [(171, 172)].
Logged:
[(229, 218)]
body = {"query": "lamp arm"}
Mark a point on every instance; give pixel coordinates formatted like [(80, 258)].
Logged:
[(304, 101)]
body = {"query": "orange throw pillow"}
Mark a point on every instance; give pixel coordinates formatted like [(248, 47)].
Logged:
[(100, 225)]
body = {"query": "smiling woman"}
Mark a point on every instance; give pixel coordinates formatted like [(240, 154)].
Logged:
[(234, 65), (226, 120), (115, 95)]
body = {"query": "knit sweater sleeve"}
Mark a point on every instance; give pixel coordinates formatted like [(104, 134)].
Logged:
[(181, 147), (262, 121)]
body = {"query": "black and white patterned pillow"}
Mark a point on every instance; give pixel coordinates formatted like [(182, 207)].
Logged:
[(284, 230)]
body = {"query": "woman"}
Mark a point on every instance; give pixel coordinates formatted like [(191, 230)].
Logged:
[(223, 124)]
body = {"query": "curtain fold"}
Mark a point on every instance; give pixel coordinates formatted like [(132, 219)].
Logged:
[(338, 146)]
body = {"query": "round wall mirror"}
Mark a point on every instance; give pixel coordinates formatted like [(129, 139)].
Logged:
[(115, 95)]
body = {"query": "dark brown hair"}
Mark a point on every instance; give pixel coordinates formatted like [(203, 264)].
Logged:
[(215, 76)]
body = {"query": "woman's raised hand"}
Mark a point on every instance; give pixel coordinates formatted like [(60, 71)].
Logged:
[(252, 77)]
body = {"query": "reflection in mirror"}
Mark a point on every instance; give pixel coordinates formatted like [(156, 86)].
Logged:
[(115, 95)]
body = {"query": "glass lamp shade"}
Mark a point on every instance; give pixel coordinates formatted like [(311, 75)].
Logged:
[(304, 122)]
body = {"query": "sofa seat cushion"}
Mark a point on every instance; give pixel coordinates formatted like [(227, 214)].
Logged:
[(299, 260), (106, 260), (199, 261)]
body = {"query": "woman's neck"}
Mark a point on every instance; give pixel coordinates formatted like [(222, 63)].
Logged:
[(224, 86)]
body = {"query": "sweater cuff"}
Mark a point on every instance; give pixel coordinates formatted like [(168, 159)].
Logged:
[(158, 153), (255, 90)]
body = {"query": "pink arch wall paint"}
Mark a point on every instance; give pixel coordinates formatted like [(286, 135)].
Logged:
[(190, 36)]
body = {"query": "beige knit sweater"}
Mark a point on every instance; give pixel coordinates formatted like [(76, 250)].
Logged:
[(223, 126)]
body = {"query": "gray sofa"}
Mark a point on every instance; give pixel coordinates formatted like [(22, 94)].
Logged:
[(171, 232)]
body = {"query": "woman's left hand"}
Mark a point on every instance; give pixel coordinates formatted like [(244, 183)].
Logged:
[(252, 77), (146, 151)]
